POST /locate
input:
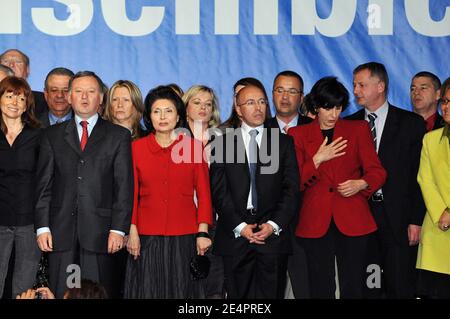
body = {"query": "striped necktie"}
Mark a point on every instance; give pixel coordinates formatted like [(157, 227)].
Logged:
[(372, 117)]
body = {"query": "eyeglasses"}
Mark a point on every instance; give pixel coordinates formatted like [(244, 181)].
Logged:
[(445, 101), (291, 91), (251, 103), (12, 61), (54, 90)]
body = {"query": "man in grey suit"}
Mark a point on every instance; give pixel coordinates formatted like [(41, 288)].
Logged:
[(56, 93), (85, 191)]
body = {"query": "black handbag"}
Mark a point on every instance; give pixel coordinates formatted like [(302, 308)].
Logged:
[(199, 267)]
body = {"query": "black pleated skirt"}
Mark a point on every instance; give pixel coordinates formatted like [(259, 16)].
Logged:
[(162, 269)]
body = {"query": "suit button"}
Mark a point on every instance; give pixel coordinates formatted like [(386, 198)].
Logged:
[(314, 177), (306, 184), (331, 189), (81, 161), (79, 178), (310, 181)]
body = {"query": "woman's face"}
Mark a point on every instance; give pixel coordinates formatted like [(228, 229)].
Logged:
[(200, 107), (328, 117), (12, 105), (122, 108), (164, 116), (445, 107)]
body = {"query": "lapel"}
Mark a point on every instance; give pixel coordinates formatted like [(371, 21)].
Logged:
[(313, 141), (390, 131), (71, 136)]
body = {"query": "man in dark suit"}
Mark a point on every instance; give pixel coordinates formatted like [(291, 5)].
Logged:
[(85, 191), (425, 92), (19, 62), (287, 96), (398, 207), (254, 182), (56, 92)]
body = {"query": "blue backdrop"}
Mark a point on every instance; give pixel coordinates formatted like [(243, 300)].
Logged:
[(216, 42)]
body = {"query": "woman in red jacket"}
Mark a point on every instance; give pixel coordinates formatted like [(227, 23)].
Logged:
[(339, 170), (167, 229)]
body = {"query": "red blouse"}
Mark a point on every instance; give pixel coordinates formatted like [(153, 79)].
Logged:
[(164, 184)]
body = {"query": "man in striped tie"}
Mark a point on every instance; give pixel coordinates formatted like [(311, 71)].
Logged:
[(398, 207)]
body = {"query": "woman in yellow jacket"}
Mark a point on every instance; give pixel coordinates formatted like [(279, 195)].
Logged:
[(434, 178)]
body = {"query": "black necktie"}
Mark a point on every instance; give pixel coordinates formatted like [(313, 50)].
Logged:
[(253, 159), (372, 117)]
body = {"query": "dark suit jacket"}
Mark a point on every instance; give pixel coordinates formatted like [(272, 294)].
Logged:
[(273, 123), (17, 177), (90, 190), (40, 105), (399, 153), (277, 193), (321, 201)]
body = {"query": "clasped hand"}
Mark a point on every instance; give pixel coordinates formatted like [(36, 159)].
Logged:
[(265, 230)]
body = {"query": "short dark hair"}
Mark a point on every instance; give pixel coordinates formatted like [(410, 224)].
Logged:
[(327, 93), (163, 92), (375, 69), (434, 79), (88, 290), (25, 57), (57, 71), (82, 74), (291, 74)]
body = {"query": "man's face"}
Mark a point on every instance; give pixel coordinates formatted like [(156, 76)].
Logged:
[(368, 90), (85, 96), (423, 95), (287, 95), (56, 94), (251, 106), (16, 62)]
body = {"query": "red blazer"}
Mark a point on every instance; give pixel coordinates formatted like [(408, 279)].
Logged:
[(321, 201), (164, 187)]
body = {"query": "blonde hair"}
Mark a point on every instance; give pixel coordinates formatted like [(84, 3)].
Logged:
[(196, 89), (136, 100)]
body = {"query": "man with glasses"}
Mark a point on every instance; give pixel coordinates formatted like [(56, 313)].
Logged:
[(19, 62), (287, 96), (424, 93), (56, 92), (255, 194)]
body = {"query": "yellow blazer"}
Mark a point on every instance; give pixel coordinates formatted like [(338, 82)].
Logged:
[(434, 180)]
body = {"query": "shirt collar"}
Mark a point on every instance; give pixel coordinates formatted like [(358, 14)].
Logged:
[(246, 128), (91, 121), (54, 119), (381, 112), (292, 123)]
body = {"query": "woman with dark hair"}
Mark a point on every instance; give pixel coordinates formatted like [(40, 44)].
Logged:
[(234, 121), (19, 146), (339, 170), (433, 257), (167, 228)]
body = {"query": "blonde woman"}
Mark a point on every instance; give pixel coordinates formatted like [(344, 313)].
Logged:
[(202, 111), (125, 107)]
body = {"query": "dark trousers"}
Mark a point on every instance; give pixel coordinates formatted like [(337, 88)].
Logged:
[(67, 268), (398, 278), (298, 269), (253, 275), (350, 257)]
